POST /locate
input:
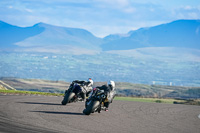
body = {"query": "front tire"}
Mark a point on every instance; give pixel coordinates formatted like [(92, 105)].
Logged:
[(67, 98), (91, 107)]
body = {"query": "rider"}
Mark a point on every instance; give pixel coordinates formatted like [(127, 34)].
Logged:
[(109, 89), (86, 87)]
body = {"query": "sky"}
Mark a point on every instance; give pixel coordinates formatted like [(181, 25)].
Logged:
[(100, 17)]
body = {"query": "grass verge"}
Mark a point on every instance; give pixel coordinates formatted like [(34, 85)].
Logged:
[(30, 93), (151, 100)]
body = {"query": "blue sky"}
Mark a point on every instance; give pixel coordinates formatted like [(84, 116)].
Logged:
[(100, 17)]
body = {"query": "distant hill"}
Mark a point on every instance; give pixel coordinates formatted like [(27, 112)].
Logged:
[(166, 54), (122, 88), (180, 33), (161, 53), (43, 37), (11, 34), (55, 36), (47, 38)]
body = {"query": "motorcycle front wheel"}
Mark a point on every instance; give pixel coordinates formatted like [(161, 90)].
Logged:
[(91, 107)]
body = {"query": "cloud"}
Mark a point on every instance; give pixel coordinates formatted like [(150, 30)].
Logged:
[(10, 7), (187, 12), (114, 3), (130, 10), (101, 17), (187, 7)]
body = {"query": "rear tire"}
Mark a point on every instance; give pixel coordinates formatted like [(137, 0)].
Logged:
[(91, 107), (67, 98)]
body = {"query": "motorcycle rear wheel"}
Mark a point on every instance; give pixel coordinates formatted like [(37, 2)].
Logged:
[(67, 98)]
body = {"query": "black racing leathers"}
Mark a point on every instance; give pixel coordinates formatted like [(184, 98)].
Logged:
[(109, 91), (86, 88)]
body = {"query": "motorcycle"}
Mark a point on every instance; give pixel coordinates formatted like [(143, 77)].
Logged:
[(95, 103), (72, 94)]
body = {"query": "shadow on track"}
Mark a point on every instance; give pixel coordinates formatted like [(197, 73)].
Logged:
[(41, 103), (52, 112), (12, 126)]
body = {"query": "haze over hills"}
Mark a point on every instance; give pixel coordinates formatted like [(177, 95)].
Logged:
[(180, 33), (167, 54)]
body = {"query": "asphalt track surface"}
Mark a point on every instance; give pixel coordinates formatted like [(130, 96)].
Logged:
[(45, 114)]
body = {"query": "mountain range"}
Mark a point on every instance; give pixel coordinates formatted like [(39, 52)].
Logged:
[(180, 33), (167, 54), (43, 37)]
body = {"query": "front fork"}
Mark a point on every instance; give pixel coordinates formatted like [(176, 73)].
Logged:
[(100, 106), (65, 92)]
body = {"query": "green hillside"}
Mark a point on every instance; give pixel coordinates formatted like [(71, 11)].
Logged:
[(122, 88), (158, 91)]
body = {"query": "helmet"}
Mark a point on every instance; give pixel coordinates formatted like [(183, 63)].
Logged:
[(90, 80), (111, 84)]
